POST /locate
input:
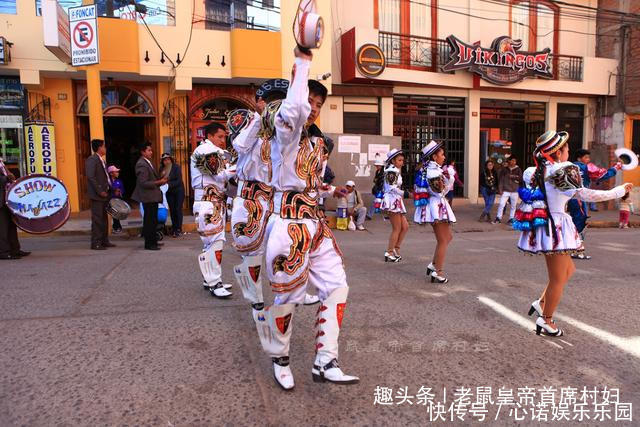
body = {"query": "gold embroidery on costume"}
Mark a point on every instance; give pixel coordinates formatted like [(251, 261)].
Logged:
[(300, 245)]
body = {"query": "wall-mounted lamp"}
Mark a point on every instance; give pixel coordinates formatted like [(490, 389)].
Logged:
[(223, 63), (162, 60), (146, 56), (208, 62)]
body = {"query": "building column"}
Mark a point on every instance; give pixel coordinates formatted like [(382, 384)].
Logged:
[(94, 97), (551, 115), (386, 116), (472, 146)]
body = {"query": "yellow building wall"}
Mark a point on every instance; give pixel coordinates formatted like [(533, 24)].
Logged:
[(118, 44), (263, 60), (63, 116)]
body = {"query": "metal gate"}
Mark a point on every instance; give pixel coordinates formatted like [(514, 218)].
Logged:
[(419, 119), (175, 118), (39, 107)]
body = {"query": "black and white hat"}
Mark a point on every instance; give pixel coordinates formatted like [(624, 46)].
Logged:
[(393, 154), (430, 148)]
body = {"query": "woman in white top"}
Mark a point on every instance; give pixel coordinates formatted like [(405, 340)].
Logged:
[(545, 226), (432, 207), (393, 204)]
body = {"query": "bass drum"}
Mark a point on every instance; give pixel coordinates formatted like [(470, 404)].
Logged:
[(39, 203)]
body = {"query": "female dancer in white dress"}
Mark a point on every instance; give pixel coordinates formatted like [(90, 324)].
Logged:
[(393, 205), (545, 226), (432, 207)]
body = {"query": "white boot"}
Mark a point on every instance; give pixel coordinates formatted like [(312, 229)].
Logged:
[(330, 312), (274, 328), (282, 372), (212, 271), (250, 280)]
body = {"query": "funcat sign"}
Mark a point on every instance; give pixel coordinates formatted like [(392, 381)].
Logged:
[(502, 64)]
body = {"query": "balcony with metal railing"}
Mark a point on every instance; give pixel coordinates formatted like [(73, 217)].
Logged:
[(429, 54)]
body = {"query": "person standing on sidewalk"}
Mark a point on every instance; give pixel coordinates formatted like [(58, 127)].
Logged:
[(175, 193), (488, 188), (9, 243), (451, 171), (626, 209), (98, 187), (148, 193), (509, 180)]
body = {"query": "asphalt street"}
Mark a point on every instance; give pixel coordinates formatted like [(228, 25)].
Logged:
[(129, 337)]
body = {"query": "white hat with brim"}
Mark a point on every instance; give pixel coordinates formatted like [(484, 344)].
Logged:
[(431, 148), (393, 154), (350, 184)]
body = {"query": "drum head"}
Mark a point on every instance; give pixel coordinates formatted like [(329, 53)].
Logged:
[(39, 203)]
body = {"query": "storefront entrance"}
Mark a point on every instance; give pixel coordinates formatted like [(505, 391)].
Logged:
[(571, 119), (419, 119), (129, 120), (510, 128)]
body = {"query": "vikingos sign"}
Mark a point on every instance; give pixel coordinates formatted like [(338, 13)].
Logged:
[(502, 64)]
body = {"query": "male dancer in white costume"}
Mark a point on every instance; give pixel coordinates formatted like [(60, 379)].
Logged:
[(300, 247), (253, 204), (209, 176)]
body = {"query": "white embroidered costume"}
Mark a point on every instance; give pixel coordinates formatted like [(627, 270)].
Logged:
[(300, 247), (431, 186), (392, 200), (209, 176), (562, 182)]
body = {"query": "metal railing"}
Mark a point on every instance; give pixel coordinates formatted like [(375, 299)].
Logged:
[(414, 51), (567, 67)]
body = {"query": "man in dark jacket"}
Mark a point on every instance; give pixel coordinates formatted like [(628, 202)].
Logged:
[(509, 180), (148, 193), (9, 243), (98, 185), (175, 193)]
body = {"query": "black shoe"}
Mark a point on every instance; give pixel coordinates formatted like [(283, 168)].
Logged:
[(98, 248), (21, 254), (9, 256), (152, 248), (108, 245)]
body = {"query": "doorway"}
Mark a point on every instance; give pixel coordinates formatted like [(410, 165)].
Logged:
[(122, 136), (510, 128)]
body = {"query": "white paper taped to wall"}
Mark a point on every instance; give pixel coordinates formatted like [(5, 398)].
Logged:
[(378, 151), (349, 144)]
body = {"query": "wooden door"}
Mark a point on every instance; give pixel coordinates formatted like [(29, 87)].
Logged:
[(83, 149)]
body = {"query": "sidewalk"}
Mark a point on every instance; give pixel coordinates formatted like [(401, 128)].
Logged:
[(466, 214)]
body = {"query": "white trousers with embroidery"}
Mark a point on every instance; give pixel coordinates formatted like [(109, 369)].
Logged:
[(210, 221)]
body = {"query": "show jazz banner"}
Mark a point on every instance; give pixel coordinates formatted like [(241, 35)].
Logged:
[(40, 142), (502, 64)]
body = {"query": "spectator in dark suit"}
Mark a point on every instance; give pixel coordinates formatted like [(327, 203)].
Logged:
[(98, 186), (148, 193), (175, 193), (9, 243)]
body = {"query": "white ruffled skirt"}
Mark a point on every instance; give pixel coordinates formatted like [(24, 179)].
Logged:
[(436, 210), (392, 203), (537, 241)]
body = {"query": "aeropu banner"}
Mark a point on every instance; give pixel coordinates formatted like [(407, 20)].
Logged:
[(40, 144)]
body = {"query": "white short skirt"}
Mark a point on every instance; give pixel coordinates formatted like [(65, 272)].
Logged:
[(392, 203), (538, 241), (436, 210)]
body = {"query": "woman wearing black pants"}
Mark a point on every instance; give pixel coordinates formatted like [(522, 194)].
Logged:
[(175, 193)]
